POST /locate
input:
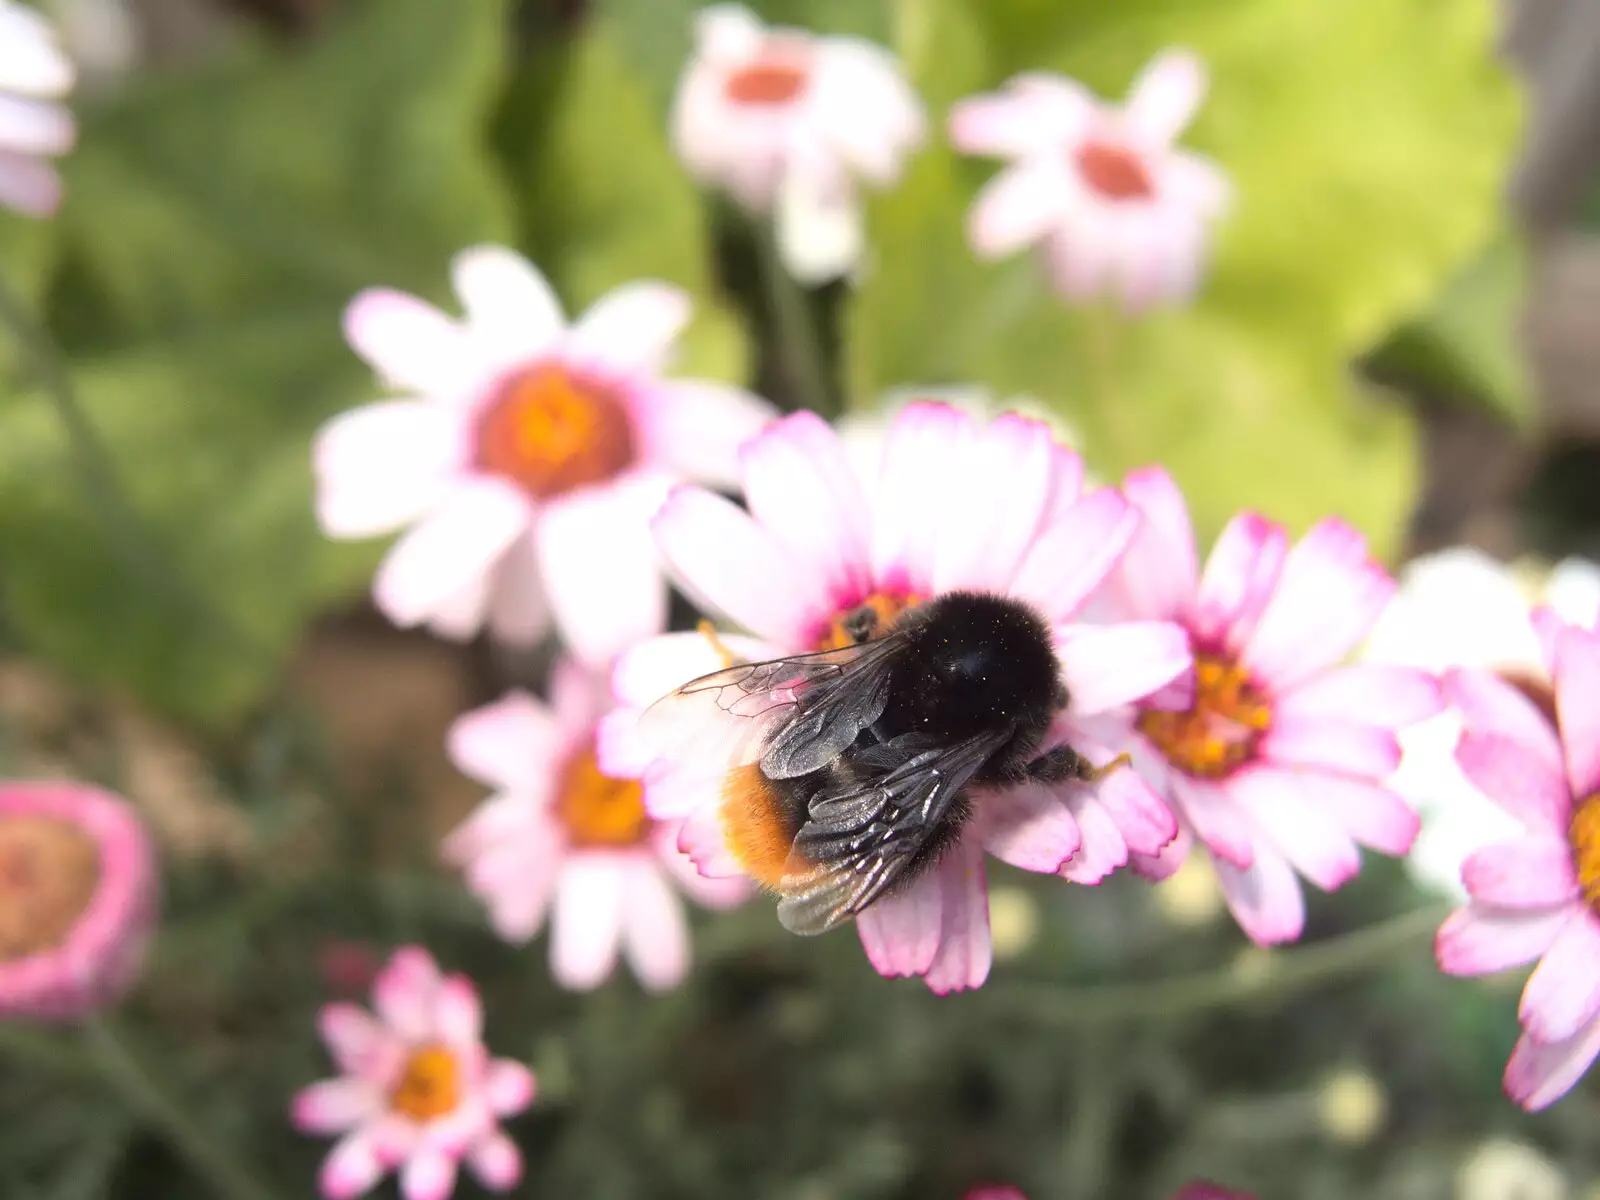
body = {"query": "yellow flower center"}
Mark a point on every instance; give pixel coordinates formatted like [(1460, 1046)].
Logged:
[(867, 621), (1114, 171), (550, 432), (1584, 836), (430, 1084), (778, 75), (49, 870), (597, 809), (1221, 729)]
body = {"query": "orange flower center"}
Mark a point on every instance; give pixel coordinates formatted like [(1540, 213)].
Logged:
[(775, 77), (1114, 171), (1221, 729), (549, 432), (1584, 836), (867, 621), (430, 1084), (49, 870), (597, 809)]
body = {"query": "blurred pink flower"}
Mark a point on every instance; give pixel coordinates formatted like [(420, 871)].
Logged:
[(33, 72), (78, 897), (417, 1092), (1101, 190), (1276, 765), (955, 506), (560, 831), (1537, 897), (1190, 1191), (785, 121), (528, 456)]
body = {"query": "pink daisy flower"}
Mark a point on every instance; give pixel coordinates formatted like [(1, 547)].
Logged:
[(78, 898), (787, 122), (417, 1092), (1537, 897), (33, 72), (1277, 765), (527, 456), (561, 832), (1112, 205), (956, 506)]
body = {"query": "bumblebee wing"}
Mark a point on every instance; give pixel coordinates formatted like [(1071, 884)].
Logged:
[(859, 839), (831, 713)]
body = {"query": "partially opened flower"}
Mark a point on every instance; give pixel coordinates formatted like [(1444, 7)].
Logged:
[(78, 894), (1100, 190), (1538, 896), (824, 560), (787, 122), (417, 1091), (1277, 765), (527, 456), (33, 73), (564, 839)]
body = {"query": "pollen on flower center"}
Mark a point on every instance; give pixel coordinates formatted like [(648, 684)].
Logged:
[(1221, 729), (49, 870), (1584, 836), (866, 621), (430, 1084), (774, 78), (1114, 171), (597, 809), (550, 432)]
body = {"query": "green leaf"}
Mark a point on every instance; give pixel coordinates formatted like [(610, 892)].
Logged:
[(218, 222)]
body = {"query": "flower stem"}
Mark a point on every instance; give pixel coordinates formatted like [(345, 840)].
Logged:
[(799, 342), (1272, 979)]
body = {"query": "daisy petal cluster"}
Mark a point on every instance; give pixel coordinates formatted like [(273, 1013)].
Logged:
[(525, 456), (1113, 207), (78, 898), (1277, 763), (34, 73), (955, 506), (565, 841), (416, 1092), (787, 123)]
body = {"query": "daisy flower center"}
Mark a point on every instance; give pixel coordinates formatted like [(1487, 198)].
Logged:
[(1114, 171), (1584, 837), (866, 621), (430, 1084), (49, 870), (775, 77), (1221, 729), (597, 809), (550, 432)]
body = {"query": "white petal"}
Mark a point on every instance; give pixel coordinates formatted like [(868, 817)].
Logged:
[(1166, 96), (629, 330), (511, 310), (459, 541)]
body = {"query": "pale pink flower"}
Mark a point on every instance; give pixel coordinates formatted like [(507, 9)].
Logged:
[(788, 122), (33, 73), (955, 505), (78, 898), (1101, 190), (1537, 897), (417, 1091), (561, 834), (1277, 764), (526, 455)]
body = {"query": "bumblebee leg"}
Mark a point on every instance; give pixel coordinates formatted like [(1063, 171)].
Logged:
[(709, 631), (1098, 773)]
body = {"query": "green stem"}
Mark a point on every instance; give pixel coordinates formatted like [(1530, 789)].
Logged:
[(1279, 977), (799, 342)]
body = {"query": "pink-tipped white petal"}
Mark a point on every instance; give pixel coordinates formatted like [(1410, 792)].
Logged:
[(458, 1013), (1478, 940), (1491, 705), (655, 932), (1029, 827), (1371, 693), (457, 542), (586, 930), (430, 1174), (336, 1105), (1373, 815), (405, 993), (1166, 95), (1036, 113), (965, 950), (358, 1043), (1016, 209), (1539, 1074), (1331, 746), (496, 1161), (1103, 849), (1157, 577), (511, 310), (631, 330), (1265, 899), (1577, 681), (1530, 873), (382, 465), (1075, 553), (511, 743), (923, 451), (1563, 993), (352, 1169), (1217, 821), (1311, 839), (1516, 779), (408, 342), (694, 427), (1146, 824), (1239, 577), (901, 933), (1108, 666), (701, 838), (508, 1087)]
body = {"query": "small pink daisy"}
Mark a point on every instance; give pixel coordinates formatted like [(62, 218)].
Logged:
[(561, 831), (33, 72), (527, 456), (1277, 764), (417, 1091), (1101, 190), (786, 121), (956, 507), (78, 897), (1537, 897)]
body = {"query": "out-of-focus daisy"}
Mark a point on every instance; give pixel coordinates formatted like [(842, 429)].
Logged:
[(33, 73), (527, 455), (1461, 608), (1537, 897), (417, 1091), (561, 832), (787, 122), (1277, 765), (1101, 190), (955, 506), (78, 897)]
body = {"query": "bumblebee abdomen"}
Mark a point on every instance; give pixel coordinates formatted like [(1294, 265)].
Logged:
[(760, 818)]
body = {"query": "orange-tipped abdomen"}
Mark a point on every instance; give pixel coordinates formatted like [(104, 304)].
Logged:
[(754, 824)]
